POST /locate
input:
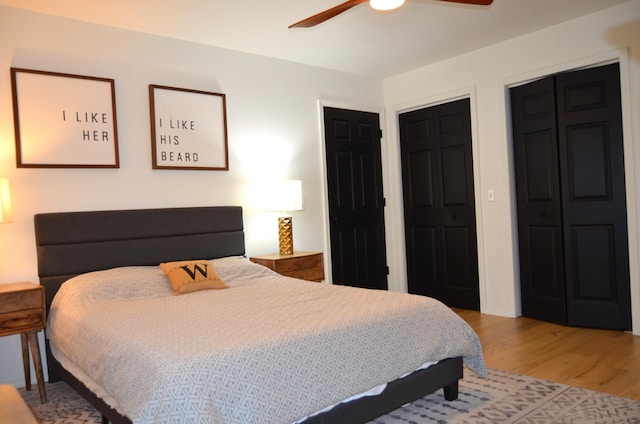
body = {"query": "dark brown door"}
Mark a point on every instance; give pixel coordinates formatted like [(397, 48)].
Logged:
[(356, 200), (439, 209), (570, 186)]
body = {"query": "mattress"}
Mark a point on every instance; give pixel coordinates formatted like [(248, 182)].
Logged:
[(269, 349)]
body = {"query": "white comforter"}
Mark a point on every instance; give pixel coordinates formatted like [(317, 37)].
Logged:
[(269, 349)]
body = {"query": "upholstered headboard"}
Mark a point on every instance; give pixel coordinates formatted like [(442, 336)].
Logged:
[(72, 243)]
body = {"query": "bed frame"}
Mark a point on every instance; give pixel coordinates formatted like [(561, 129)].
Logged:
[(72, 243)]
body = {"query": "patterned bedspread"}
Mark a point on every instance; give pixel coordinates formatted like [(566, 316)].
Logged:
[(269, 349)]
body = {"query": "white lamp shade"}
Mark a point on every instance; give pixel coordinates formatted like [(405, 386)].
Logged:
[(283, 196), (385, 4), (6, 213)]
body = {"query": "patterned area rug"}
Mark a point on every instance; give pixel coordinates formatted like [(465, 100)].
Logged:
[(502, 398)]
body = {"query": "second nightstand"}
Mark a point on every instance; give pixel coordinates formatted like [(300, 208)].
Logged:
[(22, 311), (303, 265)]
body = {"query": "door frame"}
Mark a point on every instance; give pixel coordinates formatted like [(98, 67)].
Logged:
[(631, 161), (322, 103), (397, 259)]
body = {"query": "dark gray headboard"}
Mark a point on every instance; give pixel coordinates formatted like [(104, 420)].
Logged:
[(72, 243)]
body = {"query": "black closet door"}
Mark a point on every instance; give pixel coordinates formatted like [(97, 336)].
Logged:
[(572, 221), (439, 207), (540, 234), (594, 209)]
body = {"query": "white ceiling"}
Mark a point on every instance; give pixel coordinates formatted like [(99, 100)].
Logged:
[(358, 41)]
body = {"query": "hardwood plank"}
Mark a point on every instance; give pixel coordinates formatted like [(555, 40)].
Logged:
[(600, 360)]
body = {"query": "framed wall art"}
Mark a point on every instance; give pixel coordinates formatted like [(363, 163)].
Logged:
[(188, 129), (64, 120)]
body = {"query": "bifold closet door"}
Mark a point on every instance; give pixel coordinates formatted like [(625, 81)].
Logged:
[(572, 225), (535, 148), (439, 205)]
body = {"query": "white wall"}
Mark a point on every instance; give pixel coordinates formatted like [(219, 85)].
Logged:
[(485, 76), (272, 109)]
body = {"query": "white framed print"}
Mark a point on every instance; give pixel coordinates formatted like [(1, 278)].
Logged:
[(64, 120), (188, 129)]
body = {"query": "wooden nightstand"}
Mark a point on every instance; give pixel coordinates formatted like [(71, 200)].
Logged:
[(22, 311), (304, 265)]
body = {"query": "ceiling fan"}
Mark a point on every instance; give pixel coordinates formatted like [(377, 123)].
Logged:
[(376, 4)]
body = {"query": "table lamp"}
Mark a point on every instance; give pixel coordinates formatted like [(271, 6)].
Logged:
[(285, 196)]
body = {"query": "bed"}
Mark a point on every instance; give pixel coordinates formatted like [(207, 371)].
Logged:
[(298, 366)]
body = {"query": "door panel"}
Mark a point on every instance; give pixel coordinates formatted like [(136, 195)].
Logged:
[(593, 244), (546, 266), (423, 249), (457, 266), (439, 209), (356, 201), (540, 160), (419, 172), (588, 160), (454, 188)]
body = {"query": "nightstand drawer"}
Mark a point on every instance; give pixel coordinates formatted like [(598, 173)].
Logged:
[(16, 301), (309, 274), (303, 265), (298, 263), (21, 321)]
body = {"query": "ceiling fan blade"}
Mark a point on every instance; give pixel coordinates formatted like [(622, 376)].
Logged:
[(478, 2), (327, 14), (335, 11)]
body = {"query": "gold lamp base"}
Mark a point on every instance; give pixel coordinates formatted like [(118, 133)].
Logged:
[(285, 235)]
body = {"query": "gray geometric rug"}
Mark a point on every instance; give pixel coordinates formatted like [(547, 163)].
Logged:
[(504, 397)]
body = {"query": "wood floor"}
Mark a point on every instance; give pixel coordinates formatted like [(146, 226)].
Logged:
[(600, 360)]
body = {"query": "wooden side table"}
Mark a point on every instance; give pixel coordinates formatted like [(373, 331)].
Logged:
[(22, 311), (303, 265)]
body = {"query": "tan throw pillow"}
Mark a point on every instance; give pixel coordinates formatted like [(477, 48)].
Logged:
[(190, 276)]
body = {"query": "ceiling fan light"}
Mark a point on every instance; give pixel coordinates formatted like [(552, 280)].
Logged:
[(385, 4)]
